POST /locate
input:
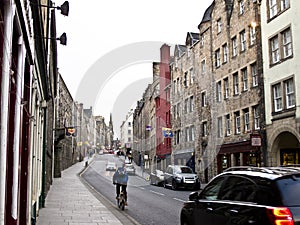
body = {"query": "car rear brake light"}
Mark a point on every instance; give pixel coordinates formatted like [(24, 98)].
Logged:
[(280, 216)]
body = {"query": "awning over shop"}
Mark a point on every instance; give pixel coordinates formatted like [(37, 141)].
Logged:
[(242, 146)]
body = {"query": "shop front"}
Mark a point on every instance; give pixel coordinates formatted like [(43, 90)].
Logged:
[(238, 154)]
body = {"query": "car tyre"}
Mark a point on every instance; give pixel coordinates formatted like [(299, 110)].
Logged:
[(174, 185)]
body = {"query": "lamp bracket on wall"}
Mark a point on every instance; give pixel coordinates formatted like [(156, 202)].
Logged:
[(64, 8)]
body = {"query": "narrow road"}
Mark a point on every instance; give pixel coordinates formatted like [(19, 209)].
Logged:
[(147, 204)]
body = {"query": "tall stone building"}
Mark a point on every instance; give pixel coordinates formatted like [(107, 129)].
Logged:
[(65, 151), (280, 27), (184, 73), (205, 96), (236, 102), (144, 125), (126, 133), (100, 134)]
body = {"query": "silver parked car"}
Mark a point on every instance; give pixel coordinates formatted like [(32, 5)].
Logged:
[(177, 176), (157, 177)]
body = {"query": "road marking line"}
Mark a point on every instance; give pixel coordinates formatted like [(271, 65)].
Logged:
[(177, 199), (158, 193)]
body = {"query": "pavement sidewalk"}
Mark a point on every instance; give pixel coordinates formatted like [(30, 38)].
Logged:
[(69, 202)]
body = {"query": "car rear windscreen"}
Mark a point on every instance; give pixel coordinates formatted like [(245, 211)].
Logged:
[(290, 190)]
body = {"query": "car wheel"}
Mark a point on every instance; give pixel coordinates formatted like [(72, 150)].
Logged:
[(174, 185)]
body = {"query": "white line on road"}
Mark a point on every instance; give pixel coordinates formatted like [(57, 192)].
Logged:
[(158, 193), (140, 187), (178, 199)]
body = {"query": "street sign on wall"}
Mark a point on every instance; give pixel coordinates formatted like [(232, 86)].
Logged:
[(255, 140)]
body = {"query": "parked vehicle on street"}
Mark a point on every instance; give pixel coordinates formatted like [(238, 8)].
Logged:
[(130, 169), (111, 166), (157, 177), (177, 176), (246, 195)]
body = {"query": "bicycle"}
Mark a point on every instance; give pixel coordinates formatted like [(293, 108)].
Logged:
[(121, 201)]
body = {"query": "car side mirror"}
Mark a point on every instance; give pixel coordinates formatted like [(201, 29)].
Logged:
[(194, 196)]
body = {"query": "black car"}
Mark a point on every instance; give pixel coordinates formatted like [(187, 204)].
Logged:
[(179, 176), (246, 195)]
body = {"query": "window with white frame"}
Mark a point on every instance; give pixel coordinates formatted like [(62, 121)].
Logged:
[(289, 93), (287, 43), (178, 136), (186, 105), (178, 85), (220, 128), (284, 4), (217, 58), (228, 125), (242, 7), (274, 50), (204, 129), (226, 88), (281, 46), (245, 79), (192, 133), (203, 67), (174, 87), (219, 25), (185, 79), (202, 40), (237, 123), (178, 109), (254, 75), (192, 104), (235, 84), (175, 111), (187, 134), (246, 120), (234, 46), (275, 7), (192, 75), (252, 35), (218, 91), (243, 40), (225, 53), (256, 116), (277, 95), (203, 99)]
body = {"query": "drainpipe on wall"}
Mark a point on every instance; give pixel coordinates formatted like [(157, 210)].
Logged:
[(7, 45)]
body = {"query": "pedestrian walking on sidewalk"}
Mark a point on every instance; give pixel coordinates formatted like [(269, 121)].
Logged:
[(120, 179)]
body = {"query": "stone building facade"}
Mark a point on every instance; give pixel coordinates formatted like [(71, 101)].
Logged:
[(100, 133), (280, 26), (144, 125), (237, 88), (184, 74), (65, 151)]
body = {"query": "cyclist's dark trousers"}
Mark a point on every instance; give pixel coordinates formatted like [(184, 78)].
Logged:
[(124, 186)]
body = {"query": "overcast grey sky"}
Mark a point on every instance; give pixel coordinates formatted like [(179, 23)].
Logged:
[(97, 30)]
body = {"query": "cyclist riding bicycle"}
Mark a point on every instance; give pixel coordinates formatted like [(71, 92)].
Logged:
[(120, 179)]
